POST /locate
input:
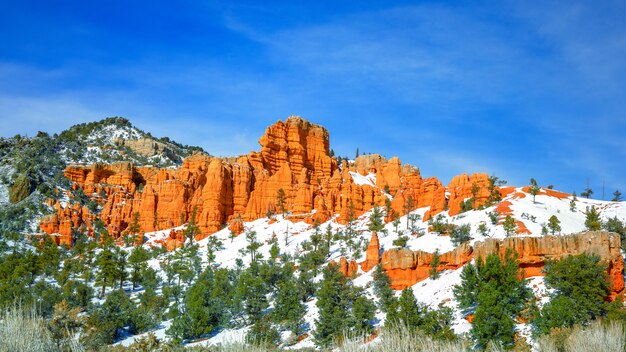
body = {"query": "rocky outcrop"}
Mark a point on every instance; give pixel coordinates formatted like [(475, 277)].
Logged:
[(406, 267), (372, 255), (294, 157), (462, 187), (147, 147)]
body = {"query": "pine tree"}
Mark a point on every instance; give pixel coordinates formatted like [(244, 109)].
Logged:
[(434, 274), (252, 247), (509, 226), (192, 228), (105, 323), (616, 225), (587, 193), (460, 234), (288, 308), (554, 224), (350, 220), (382, 289), (475, 189), (396, 224), (132, 231), (617, 196), (407, 312), (107, 272), (213, 244), (49, 256), (534, 188), (202, 312), (137, 261), (363, 310), (281, 200), (493, 291), (274, 250), (376, 220), (494, 192), (572, 202), (581, 288), (334, 308), (120, 262), (408, 207), (592, 219)]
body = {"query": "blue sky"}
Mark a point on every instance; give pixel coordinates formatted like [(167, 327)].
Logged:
[(520, 89)]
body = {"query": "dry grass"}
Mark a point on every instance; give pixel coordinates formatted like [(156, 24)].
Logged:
[(24, 330), (402, 339), (598, 336)]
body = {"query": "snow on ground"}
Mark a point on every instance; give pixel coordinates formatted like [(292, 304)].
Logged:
[(290, 236), (369, 179)]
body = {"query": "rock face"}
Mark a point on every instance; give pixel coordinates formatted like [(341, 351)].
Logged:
[(146, 147), (406, 267), (463, 186), (294, 157), (372, 255)]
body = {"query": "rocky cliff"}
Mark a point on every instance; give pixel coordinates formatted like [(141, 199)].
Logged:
[(294, 157), (406, 267)]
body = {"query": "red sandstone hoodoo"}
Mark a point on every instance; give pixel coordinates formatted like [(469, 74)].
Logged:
[(294, 156)]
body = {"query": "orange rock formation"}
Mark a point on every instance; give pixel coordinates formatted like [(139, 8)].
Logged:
[(294, 157), (406, 267)]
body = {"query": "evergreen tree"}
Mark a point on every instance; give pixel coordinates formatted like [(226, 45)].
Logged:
[(288, 308), (475, 189), (616, 225), (49, 256), (494, 191), (108, 272), (350, 221), (192, 228), (554, 224), (534, 188), (434, 274), (252, 247), (572, 202), (592, 219), (408, 207), (334, 308), (213, 244), (281, 200), (132, 231), (105, 323), (251, 291), (363, 310), (509, 226), (587, 193), (617, 196), (274, 250), (263, 334), (382, 289), (493, 291), (581, 288), (407, 312), (202, 313), (120, 262), (460, 234), (396, 224), (376, 220), (137, 261)]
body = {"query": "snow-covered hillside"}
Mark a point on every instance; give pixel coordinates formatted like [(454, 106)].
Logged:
[(532, 215)]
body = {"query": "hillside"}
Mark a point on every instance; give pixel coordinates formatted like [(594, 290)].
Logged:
[(31, 168), (289, 209)]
